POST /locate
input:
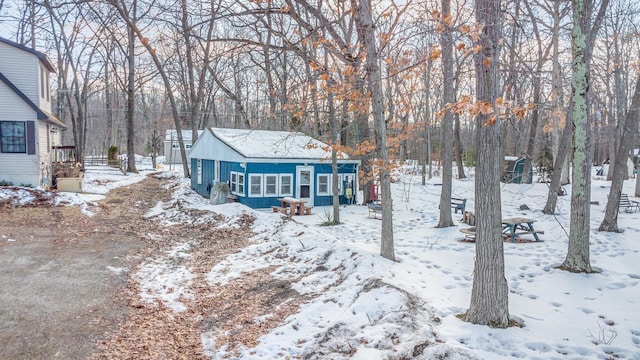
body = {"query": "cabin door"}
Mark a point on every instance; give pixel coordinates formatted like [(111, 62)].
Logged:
[(304, 184)]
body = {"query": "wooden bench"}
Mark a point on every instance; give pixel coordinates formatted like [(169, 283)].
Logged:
[(374, 208), (307, 210), (458, 204), (627, 204)]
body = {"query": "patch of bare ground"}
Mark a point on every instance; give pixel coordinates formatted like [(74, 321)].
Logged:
[(69, 291), (237, 313)]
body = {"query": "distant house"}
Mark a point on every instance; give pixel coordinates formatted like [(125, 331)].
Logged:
[(172, 146), (261, 166), (28, 129)]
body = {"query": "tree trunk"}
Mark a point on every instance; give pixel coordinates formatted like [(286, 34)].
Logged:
[(582, 37), (610, 221), (490, 293), (366, 28), (458, 147), (446, 44), (131, 92)]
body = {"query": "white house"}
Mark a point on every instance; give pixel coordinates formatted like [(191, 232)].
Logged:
[(172, 147), (28, 129)]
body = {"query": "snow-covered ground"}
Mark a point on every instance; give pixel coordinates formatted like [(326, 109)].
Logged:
[(366, 307)]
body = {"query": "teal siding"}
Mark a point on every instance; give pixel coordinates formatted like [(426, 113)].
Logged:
[(208, 167), (208, 174)]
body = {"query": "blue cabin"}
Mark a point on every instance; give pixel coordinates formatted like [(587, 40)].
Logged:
[(262, 166)]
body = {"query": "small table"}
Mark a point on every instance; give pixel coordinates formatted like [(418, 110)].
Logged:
[(294, 206), (519, 226)]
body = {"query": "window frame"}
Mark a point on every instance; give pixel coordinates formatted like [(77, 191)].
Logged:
[(233, 182), (318, 184), (199, 171), (260, 178), (5, 143), (241, 184), (266, 185), (280, 183)]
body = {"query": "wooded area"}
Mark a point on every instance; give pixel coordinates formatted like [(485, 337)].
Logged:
[(437, 82)]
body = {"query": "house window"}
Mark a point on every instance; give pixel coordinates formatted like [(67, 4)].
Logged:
[(42, 84), (286, 187), (199, 171), (255, 185), (234, 182), (177, 146), (237, 183), (241, 184), (13, 137), (324, 184), (271, 185)]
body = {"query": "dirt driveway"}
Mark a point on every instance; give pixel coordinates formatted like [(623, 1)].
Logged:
[(67, 290)]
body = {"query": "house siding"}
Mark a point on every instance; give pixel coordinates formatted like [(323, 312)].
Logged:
[(25, 70), (22, 69), (208, 148), (13, 107), (208, 175)]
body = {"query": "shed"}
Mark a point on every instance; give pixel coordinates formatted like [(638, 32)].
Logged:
[(513, 170), (261, 166), (172, 146)]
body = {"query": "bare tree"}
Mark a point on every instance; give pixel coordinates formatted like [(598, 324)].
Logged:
[(366, 32), (446, 44), (629, 135), (489, 295), (583, 38)]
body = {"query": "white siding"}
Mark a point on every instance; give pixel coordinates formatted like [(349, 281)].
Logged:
[(21, 68), (13, 107), (44, 102), (20, 169), (210, 148)]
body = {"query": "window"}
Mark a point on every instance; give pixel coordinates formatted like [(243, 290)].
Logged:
[(234, 182), (271, 185), (286, 187), (241, 184), (255, 185), (13, 137), (177, 146), (42, 84), (324, 184), (199, 171), (237, 183)]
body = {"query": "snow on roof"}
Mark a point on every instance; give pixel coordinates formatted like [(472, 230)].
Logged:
[(172, 135), (273, 144)]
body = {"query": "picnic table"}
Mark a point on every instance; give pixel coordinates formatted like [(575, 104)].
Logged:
[(291, 206), (519, 226)]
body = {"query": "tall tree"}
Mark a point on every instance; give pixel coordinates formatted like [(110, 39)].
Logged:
[(446, 44), (629, 135), (562, 128), (367, 34), (489, 295), (131, 87), (583, 37)]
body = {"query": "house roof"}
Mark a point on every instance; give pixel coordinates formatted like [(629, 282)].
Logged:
[(42, 115), (273, 144), (42, 56), (172, 135)]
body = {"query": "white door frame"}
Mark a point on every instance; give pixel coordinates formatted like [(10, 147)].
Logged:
[(300, 184)]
